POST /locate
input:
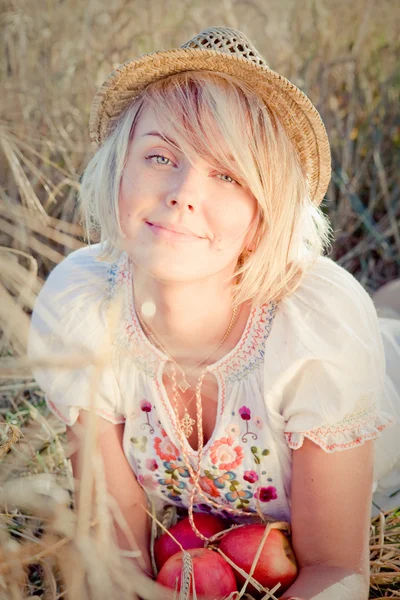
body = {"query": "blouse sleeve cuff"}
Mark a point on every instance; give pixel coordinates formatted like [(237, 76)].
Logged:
[(69, 414), (353, 430)]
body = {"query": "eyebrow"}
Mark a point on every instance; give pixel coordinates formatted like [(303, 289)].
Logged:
[(172, 142), (163, 137)]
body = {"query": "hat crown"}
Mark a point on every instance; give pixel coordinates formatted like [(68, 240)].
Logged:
[(227, 40)]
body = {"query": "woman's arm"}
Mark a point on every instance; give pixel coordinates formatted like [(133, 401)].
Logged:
[(120, 481), (331, 510)]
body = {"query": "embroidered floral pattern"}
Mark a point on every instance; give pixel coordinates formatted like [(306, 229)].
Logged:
[(208, 486), (165, 448), (257, 454), (224, 455), (266, 494), (233, 430), (145, 406), (139, 442), (258, 422), (173, 484), (236, 495), (221, 483), (151, 464), (245, 414), (250, 476), (234, 471)]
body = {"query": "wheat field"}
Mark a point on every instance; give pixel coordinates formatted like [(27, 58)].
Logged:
[(54, 55)]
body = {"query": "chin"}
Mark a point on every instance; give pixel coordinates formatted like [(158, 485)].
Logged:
[(169, 265), (177, 271), (165, 269)]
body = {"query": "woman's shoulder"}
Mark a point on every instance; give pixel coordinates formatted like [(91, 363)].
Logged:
[(330, 289), (329, 317), (76, 290), (84, 264), (81, 276)]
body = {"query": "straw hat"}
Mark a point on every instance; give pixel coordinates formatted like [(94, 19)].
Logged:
[(222, 50)]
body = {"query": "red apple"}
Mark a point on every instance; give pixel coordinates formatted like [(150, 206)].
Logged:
[(165, 546), (213, 577), (277, 562)]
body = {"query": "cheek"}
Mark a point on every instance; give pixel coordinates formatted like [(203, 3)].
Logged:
[(124, 209), (233, 223), (132, 200)]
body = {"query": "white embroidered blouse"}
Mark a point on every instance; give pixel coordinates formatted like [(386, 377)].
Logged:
[(313, 366)]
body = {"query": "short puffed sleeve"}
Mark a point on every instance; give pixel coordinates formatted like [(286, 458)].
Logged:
[(69, 326), (325, 376)]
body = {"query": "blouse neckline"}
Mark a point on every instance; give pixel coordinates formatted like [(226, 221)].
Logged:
[(250, 346)]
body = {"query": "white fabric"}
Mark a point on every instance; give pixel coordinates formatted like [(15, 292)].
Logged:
[(69, 320), (320, 365)]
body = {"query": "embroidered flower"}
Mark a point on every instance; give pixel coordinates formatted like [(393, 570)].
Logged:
[(173, 483), (224, 456), (147, 481), (145, 406), (250, 476), (172, 467), (139, 442), (245, 413), (225, 477), (265, 494), (238, 495), (151, 464), (165, 448), (233, 430), (258, 422), (208, 486)]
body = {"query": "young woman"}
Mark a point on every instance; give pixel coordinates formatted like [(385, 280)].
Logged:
[(245, 370)]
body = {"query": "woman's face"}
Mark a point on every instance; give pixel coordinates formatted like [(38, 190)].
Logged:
[(183, 221)]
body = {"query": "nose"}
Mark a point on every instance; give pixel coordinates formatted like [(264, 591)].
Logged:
[(186, 191)]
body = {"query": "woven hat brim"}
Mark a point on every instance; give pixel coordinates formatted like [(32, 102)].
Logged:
[(299, 116)]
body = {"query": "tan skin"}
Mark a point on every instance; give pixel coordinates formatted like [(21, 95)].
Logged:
[(331, 493)]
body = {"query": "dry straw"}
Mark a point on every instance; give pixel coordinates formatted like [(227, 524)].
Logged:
[(44, 142)]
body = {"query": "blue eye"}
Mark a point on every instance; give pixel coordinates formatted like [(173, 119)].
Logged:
[(231, 180), (157, 156)]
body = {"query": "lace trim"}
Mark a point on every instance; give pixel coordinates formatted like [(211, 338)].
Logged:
[(74, 412), (353, 430), (249, 354)]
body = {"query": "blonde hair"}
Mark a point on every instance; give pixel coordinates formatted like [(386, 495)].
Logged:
[(292, 232)]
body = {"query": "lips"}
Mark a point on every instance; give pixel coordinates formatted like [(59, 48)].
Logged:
[(173, 227), (172, 231)]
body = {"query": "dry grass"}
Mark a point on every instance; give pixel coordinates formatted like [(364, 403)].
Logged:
[(345, 55)]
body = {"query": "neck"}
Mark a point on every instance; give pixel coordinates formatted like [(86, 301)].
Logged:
[(188, 319)]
